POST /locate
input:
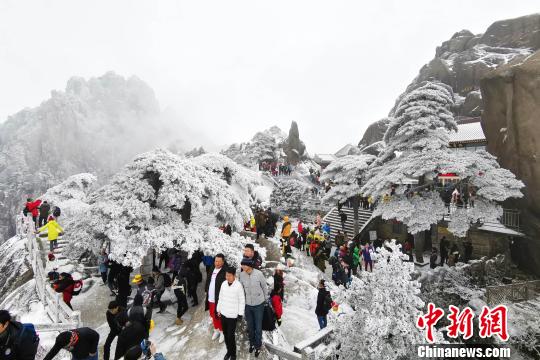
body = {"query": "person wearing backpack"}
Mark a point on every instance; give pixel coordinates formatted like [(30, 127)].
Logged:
[(324, 304), (44, 210), (65, 285), (161, 282), (140, 314), (17, 341), (82, 343), (56, 212)]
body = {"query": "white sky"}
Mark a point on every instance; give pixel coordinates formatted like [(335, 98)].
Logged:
[(231, 68)]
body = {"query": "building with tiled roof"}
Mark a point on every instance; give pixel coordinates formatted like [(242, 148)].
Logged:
[(470, 135)]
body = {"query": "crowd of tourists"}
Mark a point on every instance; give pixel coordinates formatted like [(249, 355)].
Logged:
[(231, 294), (276, 168)]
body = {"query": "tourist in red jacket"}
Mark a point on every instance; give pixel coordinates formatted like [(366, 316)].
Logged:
[(66, 286), (32, 207)]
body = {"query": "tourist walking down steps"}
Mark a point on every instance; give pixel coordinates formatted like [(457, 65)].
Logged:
[(256, 292), (53, 231), (230, 309)]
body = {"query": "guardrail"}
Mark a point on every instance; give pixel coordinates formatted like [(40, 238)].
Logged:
[(503, 294), (52, 301), (304, 350)]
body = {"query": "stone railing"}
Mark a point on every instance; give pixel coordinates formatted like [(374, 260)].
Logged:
[(61, 315), (504, 294), (304, 350)]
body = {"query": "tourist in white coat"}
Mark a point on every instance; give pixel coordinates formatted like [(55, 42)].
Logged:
[(230, 309)]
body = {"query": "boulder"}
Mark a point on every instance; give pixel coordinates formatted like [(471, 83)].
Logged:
[(523, 32), (511, 97), (472, 106), (293, 147), (374, 133)]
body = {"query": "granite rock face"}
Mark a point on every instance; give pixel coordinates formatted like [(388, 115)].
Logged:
[(374, 133), (511, 123), (463, 60), (95, 125), (293, 147)]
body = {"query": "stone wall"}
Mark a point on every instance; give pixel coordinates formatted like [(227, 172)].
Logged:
[(484, 243), (511, 123)]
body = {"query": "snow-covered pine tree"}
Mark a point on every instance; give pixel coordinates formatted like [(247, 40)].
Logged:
[(387, 305), (71, 195), (289, 196), (345, 174), (195, 152), (417, 148), (247, 181), (264, 146), (162, 201)]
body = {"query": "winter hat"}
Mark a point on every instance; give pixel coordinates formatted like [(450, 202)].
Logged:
[(247, 262), (50, 218), (68, 339), (133, 353), (137, 279), (286, 218), (51, 256)]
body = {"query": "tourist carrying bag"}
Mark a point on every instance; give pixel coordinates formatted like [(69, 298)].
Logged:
[(269, 317)]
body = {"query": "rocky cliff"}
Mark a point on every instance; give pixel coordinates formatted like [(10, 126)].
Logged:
[(374, 133), (95, 126), (464, 59), (512, 127)]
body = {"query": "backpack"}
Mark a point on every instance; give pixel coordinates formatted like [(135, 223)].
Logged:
[(269, 318), (77, 287), (147, 297), (166, 280), (56, 212), (327, 303), (28, 331)]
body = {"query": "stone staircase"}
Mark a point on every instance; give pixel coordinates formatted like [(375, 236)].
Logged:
[(332, 218)]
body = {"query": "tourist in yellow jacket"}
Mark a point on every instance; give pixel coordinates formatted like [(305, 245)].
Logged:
[(53, 230), (286, 228)]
